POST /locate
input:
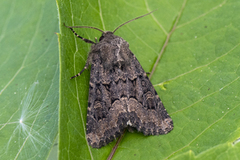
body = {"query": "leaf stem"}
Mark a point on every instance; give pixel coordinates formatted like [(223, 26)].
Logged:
[(167, 40), (116, 145)]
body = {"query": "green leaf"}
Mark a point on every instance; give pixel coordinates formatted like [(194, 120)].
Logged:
[(29, 79), (197, 76)]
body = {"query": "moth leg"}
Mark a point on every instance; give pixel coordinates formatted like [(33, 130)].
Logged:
[(96, 39), (85, 40), (85, 67), (148, 72)]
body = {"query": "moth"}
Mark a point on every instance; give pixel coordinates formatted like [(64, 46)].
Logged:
[(120, 92)]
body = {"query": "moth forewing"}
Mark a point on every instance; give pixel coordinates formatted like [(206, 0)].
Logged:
[(120, 92)]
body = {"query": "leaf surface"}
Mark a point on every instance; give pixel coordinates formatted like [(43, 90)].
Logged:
[(29, 69), (197, 77)]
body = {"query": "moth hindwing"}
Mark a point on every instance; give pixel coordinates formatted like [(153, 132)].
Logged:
[(120, 93)]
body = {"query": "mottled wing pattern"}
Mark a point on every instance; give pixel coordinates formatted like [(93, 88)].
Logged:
[(122, 97), (107, 114), (145, 109)]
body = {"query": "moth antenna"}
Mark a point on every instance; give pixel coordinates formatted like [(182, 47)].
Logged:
[(84, 27), (133, 20)]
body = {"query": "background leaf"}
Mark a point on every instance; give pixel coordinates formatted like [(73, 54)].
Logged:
[(29, 79), (197, 77)]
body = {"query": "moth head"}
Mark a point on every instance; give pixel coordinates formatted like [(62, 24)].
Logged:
[(106, 34)]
